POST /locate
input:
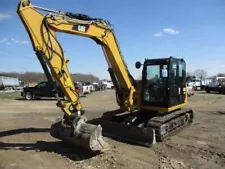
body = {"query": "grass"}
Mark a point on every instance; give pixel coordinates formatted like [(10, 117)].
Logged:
[(10, 95)]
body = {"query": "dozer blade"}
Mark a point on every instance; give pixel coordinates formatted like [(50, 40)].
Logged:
[(132, 134), (118, 130), (86, 135)]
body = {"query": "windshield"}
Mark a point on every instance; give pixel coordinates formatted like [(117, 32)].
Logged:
[(42, 84), (156, 82)]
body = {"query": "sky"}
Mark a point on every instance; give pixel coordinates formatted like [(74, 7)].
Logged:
[(189, 29)]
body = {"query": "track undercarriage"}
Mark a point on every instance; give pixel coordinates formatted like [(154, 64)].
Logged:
[(141, 128)]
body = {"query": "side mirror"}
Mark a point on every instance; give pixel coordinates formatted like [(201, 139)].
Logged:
[(138, 64)]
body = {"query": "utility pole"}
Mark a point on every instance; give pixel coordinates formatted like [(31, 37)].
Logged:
[(182, 52), (90, 79)]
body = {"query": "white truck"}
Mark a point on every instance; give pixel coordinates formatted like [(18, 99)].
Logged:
[(88, 87), (108, 84), (9, 83), (205, 82), (196, 83), (215, 85)]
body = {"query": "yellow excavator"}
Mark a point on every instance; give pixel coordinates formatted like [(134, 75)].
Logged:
[(150, 110)]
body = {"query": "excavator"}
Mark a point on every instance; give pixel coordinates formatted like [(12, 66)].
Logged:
[(150, 110)]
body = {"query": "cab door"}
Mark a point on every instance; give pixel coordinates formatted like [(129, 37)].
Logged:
[(177, 82)]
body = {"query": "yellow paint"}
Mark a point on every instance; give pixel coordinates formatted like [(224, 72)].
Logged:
[(162, 109), (32, 20)]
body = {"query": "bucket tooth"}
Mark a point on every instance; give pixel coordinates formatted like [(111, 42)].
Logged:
[(88, 136)]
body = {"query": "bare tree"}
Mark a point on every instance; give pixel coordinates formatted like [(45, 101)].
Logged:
[(188, 74), (200, 73)]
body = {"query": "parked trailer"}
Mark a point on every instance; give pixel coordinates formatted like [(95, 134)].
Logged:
[(198, 83), (7, 83)]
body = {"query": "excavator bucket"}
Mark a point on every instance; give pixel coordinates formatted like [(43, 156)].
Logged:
[(84, 135)]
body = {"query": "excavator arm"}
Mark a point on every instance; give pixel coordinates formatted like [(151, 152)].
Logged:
[(42, 29)]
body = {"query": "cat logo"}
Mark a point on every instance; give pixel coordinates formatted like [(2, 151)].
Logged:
[(81, 28)]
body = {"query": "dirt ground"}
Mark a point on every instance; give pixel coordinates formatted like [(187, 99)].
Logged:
[(25, 142)]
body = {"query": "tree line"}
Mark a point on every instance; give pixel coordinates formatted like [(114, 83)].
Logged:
[(35, 77), (201, 73)]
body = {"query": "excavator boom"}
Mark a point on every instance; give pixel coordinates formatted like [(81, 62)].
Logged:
[(42, 31)]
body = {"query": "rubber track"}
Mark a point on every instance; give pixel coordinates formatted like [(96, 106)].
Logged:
[(177, 116)]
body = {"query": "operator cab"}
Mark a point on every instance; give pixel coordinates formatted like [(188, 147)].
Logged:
[(163, 82)]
